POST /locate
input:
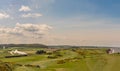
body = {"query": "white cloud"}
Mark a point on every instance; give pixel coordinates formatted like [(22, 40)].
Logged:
[(4, 15), (33, 15), (25, 8), (27, 30)]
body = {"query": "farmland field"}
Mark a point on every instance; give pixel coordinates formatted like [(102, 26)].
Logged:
[(70, 59)]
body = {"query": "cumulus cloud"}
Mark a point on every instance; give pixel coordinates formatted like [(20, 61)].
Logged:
[(25, 8), (12, 31), (4, 15), (33, 15), (27, 30)]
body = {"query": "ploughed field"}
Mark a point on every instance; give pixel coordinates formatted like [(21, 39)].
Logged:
[(59, 59)]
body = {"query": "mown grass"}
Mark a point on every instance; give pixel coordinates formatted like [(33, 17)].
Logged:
[(24, 60)]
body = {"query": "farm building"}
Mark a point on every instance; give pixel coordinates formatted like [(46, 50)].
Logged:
[(113, 50), (110, 51)]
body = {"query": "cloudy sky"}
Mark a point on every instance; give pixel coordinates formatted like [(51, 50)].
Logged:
[(60, 22)]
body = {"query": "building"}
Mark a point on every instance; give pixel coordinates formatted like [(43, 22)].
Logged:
[(110, 51)]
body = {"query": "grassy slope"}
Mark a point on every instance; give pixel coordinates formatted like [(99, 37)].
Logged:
[(23, 60), (81, 65), (113, 63), (95, 63)]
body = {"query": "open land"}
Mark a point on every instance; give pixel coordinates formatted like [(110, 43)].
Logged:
[(60, 59)]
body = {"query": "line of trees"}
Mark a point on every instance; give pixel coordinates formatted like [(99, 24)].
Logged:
[(23, 45)]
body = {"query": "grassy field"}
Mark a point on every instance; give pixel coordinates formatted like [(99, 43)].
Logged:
[(65, 60)]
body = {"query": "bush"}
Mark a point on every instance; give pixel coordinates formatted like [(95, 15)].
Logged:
[(15, 56), (40, 52), (52, 56), (36, 66), (49, 53), (5, 66), (61, 62), (18, 64)]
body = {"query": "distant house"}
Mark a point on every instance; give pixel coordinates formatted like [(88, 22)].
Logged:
[(110, 51), (113, 50)]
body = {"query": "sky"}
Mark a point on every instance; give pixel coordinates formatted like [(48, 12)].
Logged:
[(60, 22)]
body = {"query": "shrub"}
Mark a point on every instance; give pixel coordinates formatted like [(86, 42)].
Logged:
[(36, 66), (52, 56), (5, 66), (18, 64), (40, 52), (15, 56), (49, 53), (61, 62)]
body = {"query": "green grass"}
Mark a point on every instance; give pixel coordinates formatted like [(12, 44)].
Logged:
[(24, 60), (89, 60), (26, 69)]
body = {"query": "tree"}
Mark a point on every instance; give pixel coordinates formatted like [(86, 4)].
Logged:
[(40, 52)]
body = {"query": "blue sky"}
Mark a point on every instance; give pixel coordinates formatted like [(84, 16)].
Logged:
[(77, 7), (69, 22)]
